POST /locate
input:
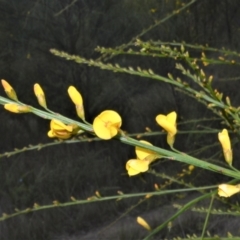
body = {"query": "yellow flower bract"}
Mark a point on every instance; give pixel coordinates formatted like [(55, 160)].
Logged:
[(107, 124)]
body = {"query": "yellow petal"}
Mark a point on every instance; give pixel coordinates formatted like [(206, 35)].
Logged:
[(143, 223), (224, 139), (172, 118), (57, 125), (40, 95), (51, 134), (144, 153), (106, 124), (227, 190), (135, 166), (9, 90), (62, 134), (16, 108)]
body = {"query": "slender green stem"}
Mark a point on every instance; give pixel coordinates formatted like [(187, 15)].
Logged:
[(207, 217)]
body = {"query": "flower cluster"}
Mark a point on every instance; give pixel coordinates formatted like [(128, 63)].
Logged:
[(107, 125)]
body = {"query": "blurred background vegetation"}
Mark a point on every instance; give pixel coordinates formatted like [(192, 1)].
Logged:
[(28, 30)]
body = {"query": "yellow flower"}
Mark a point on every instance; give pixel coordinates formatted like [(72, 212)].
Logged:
[(16, 108), (226, 145), (9, 90), (143, 223), (60, 130), (40, 95), (136, 166), (168, 122), (145, 157), (107, 124), (227, 190), (77, 100)]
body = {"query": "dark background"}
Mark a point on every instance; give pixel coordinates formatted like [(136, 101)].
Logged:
[(28, 29)]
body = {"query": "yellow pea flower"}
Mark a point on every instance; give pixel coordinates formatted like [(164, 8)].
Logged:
[(40, 95), (143, 223), (168, 122), (9, 90), (224, 139), (77, 100), (144, 158), (16, 108), (60, 130), (227, 190), (107, 124)]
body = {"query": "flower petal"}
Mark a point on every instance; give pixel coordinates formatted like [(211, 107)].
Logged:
[(57, 125), (144, 153), (227, 190), (135, 166)]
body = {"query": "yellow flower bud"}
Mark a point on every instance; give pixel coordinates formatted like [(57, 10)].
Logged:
[(40, 95), (16, 108), (227, 190), (143, 223), (9, 90), (77, 100), (224, 139)]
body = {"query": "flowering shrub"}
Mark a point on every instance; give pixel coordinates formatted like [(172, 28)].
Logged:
[(107, 125)]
